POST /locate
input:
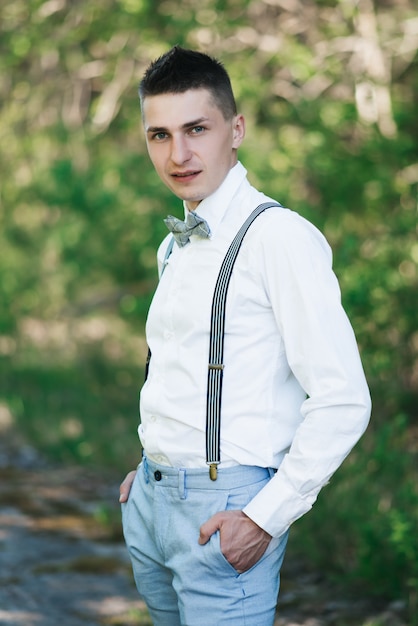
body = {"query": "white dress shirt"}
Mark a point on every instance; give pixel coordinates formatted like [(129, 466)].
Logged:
[(294, 392)]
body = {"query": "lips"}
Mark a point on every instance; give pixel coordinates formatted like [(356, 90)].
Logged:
[(185, 176)]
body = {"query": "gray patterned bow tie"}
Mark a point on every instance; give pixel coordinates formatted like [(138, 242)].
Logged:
[(194, 224)]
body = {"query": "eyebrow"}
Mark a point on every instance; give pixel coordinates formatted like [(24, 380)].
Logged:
[(162, 129)]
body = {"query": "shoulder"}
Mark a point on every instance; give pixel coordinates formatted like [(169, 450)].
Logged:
[(280, 230)]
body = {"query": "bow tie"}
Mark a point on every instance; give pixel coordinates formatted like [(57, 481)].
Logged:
[(193, 225)]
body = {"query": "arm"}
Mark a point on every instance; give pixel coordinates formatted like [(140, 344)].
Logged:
[(295, 264)]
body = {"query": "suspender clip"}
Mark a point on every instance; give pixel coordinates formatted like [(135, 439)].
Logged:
[(213, 471), (213, 366)]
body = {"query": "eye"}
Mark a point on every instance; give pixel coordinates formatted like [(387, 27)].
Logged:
[(160, 136), (196, 130)]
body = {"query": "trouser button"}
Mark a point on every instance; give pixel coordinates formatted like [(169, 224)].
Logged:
[(157, 475)]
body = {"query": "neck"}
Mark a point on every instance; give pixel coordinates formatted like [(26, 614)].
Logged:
[(192, 206)]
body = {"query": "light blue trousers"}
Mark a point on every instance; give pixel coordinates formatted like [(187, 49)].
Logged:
[(182, 582)]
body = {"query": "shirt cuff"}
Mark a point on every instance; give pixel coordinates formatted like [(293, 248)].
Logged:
[(278, 505)]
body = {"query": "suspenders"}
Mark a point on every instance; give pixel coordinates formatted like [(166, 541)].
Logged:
[(216, 345), (216, 341)]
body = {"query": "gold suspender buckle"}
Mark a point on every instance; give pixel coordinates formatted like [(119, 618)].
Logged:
[(213, 471)]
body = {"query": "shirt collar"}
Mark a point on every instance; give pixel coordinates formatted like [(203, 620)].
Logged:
[(213, 208)]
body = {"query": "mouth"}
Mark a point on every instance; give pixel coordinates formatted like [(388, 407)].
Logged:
[(185, 176)]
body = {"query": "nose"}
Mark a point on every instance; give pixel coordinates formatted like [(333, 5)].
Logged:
[(180, 151)]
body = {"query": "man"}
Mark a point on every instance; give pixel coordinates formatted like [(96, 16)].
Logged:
[(207, 549)]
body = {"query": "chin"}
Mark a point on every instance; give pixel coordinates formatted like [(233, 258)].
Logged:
[(192, 199)]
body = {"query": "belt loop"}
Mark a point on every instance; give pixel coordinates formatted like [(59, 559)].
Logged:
[(182, 484), (145, 466)]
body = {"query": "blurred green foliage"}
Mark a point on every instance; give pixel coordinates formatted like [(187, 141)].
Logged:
[(330, 92)]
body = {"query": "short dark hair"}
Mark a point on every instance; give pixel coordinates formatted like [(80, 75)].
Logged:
[(179, 70)]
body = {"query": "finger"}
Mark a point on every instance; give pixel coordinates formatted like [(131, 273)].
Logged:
[(209, 528), (126, 485)]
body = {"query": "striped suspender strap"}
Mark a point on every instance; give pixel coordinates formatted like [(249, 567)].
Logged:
[(216, 345), (167, 254)]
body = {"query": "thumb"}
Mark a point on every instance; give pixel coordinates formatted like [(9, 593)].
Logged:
[(209, 528), (125, 487)]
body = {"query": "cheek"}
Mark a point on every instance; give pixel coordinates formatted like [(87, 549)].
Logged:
[(157, 161), (155, 153), (221, 161)]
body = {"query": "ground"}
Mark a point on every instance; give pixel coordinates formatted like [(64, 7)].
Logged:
[(63, 561)]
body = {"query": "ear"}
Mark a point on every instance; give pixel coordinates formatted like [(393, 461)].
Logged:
[(238, 131)]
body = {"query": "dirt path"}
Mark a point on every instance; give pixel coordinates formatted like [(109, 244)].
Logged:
[(63, 561)]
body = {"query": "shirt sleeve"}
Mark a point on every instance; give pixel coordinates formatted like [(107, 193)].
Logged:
[(295, 264)]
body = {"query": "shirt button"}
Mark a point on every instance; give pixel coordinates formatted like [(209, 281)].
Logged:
[(153, 418), (157, 475)]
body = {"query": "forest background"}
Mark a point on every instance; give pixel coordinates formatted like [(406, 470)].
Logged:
[(330, 92)]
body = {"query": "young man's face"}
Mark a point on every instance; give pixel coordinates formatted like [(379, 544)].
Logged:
[(191, 145)]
